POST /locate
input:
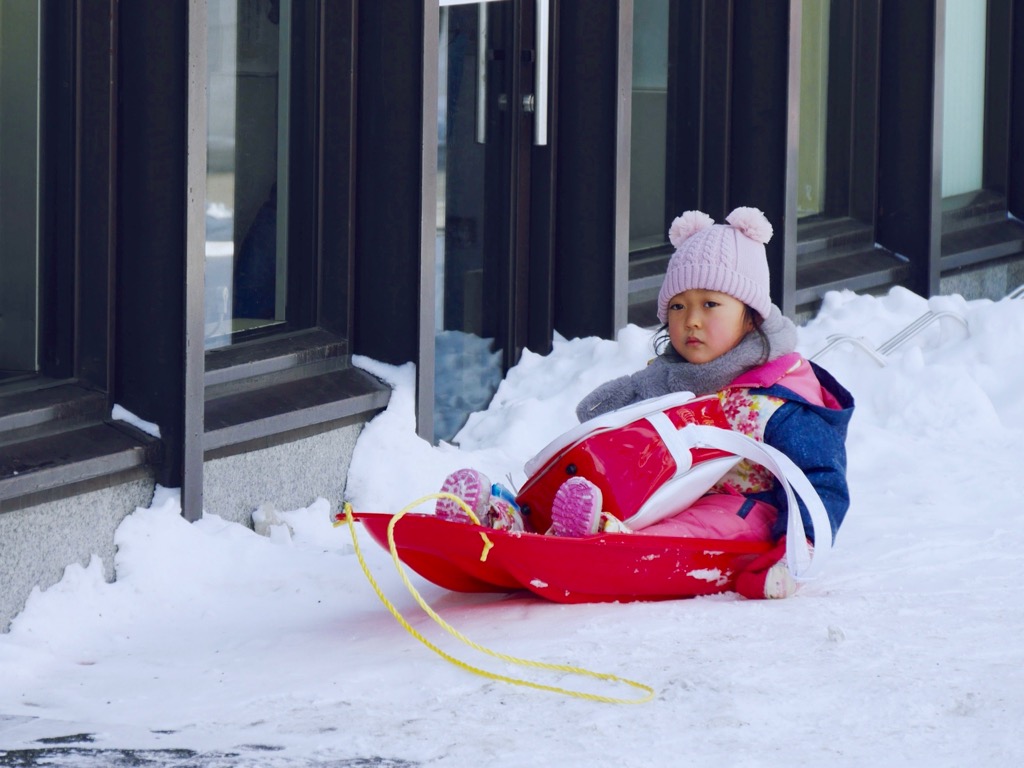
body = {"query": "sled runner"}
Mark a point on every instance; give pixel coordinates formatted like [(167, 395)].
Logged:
[(650, 460)]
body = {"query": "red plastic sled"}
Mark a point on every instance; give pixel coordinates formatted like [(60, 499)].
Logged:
[(650, 460), (605, 568)]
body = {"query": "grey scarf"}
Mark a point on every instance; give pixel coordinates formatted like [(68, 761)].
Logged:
[(671, 373)]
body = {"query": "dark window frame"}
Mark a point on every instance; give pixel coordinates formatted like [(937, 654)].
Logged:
[(305, 212), (298, 379), (56, 435), (884, 222), (837, 248), (699, 116), (940, 237), (58, 209), (853, 115), (306, 103), (977, 226)]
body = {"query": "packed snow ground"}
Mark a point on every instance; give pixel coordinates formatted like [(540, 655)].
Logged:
[(220, 646)]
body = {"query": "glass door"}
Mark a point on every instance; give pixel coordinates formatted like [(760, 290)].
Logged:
[(489, 117)]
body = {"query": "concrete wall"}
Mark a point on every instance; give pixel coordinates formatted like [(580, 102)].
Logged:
[(986, 281), (37, 543), (287, 476)]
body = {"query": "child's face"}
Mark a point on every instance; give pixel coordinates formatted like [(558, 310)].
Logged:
[(704, 325)]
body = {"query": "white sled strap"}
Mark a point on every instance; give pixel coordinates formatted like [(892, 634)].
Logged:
[(802, 565)]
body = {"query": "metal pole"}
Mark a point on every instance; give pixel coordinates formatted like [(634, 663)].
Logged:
[(193, 368)]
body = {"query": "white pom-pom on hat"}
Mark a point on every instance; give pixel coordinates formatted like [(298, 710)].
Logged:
[(687, 225), (752, 223)]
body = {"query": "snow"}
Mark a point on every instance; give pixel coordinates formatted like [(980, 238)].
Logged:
[(220, 646), (120, 413)]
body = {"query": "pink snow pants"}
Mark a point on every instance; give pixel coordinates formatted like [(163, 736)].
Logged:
[(717, 516)]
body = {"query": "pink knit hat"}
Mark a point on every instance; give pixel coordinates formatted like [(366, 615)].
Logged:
[(719, 257)]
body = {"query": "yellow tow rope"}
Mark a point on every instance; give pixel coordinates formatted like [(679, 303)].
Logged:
[(488, 544)]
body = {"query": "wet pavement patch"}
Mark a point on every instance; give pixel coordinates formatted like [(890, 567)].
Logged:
[(55, 756)]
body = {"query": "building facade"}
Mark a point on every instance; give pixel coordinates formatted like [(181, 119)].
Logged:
[(208, 207)]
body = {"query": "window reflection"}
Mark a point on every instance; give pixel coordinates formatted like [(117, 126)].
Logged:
[(246, 182), (648, 145), (963, 97), (814, 70), (19, 187)]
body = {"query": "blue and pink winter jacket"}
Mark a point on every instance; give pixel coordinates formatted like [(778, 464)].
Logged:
[(788, 403), (810, 415)]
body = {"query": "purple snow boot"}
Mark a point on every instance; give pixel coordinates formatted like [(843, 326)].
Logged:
[(472, 487), (576, 508)]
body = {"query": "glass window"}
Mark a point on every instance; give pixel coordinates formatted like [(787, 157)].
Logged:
[(648, 144), (963, 96), (814, 70), (19, 187), (247, 167)]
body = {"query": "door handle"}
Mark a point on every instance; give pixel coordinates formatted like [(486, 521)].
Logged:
[(542, 25), (542, 44), (481, 74)]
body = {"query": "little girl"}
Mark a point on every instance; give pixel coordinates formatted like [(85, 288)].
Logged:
[(720, 335)]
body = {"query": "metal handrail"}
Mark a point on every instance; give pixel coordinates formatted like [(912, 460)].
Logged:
[(836, 340), (889, 346), (915, 328)]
